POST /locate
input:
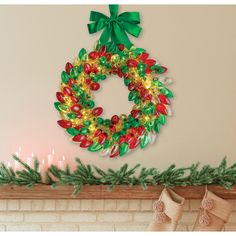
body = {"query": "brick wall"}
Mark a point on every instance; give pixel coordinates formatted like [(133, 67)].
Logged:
[(89, 215)]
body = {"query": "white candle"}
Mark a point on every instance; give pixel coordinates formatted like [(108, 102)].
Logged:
[(42, 170), (62, 163), (50, 160), (42, 166), (29, 160)]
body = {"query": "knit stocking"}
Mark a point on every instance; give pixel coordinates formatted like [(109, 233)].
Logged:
[(167, 211), (214, 213)]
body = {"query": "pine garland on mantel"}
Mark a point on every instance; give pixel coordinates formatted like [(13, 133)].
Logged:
[(193, 175)]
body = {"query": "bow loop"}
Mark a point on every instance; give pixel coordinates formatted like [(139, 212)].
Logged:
[(116, 26), (130, 17), (96, 16)]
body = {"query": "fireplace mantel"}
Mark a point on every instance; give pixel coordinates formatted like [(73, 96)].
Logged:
[(100, 192)]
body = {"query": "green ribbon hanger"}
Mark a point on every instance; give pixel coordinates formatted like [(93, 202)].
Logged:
[(116, 26)]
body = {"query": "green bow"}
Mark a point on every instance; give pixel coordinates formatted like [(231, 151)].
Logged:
[(116, 27)]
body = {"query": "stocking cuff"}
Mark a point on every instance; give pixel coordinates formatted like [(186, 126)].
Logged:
[(173, 204)]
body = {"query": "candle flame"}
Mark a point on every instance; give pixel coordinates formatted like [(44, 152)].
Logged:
[(63, 158), (53, 151)]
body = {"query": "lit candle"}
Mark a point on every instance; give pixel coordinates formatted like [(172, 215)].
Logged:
[(29, 160), (50, 160), (42, 166), (62, 163), (42, 170)]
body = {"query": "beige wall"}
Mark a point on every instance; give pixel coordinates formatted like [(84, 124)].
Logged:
[(196, 43)]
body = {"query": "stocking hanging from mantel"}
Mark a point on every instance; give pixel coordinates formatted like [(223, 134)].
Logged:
[(214, 213), (168, 210)]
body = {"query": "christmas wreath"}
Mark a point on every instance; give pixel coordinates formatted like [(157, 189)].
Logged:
[(142, 75)]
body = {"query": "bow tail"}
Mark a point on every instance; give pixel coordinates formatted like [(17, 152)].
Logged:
[(119, 36), (104, 38)]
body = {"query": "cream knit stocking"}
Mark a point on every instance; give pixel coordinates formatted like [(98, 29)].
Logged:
[(214, 213), (167, 211)]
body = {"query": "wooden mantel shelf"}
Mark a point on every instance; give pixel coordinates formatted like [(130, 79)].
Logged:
[(100, 192)]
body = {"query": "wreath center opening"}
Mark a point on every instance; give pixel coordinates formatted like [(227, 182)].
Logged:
[(112, 96)]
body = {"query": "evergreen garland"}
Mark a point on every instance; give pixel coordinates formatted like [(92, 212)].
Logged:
[(92, 175)]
